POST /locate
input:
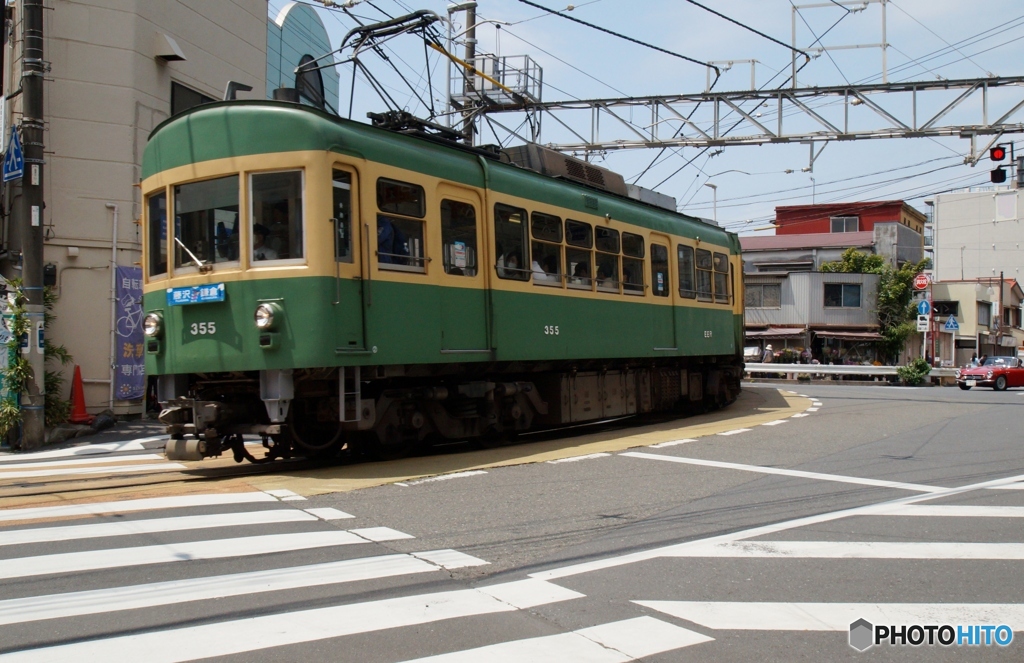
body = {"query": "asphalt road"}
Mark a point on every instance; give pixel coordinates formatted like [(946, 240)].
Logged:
[(765, 542)]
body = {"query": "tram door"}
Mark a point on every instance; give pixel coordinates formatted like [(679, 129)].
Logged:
[(463, 294), (663, 319), (350, 293)]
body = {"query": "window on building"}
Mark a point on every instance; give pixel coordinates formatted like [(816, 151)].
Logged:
[(705, 268), (400, 242), (342, 210), (510, 240), (984, 314), (546, 249), (722, 294), (156, 205), (309, 83), (277, 216), (183, 98), (687, 280), (458, 236), (763, 295), (842, 295), (845, 224), (206, 221), (633, 263), (946, 308)]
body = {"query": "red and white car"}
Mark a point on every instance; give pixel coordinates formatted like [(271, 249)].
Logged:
[(997, 372)]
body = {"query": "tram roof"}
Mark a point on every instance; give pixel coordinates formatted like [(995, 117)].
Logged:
[(245, 127)]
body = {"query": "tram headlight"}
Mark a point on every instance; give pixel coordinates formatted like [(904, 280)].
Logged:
[(153, 324), (267, 315)]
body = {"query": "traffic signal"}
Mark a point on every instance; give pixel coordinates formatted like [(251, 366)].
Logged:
[(997, 153)]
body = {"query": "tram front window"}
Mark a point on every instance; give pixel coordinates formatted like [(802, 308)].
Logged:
[(277, 216), (206, 222)]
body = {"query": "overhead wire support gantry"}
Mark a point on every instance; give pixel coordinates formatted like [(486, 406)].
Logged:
[(670, 124)]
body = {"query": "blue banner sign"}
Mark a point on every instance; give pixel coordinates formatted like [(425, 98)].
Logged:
[(198, 294), (130, 369)]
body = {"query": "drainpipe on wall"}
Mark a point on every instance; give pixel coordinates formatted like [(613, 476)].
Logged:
[(113, 303)]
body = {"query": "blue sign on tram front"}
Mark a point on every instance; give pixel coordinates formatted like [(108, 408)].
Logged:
[(197, 294)]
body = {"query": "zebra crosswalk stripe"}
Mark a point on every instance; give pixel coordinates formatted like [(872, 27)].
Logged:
[(127, 506), (91, 560), (118, 469), (132, 527), (280, 629)]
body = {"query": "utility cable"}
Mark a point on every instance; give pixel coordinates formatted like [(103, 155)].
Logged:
[(745, 27)]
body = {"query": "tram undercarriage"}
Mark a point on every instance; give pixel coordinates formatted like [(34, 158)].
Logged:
[(386, 412)]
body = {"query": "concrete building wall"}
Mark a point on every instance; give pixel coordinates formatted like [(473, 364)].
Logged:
[(978, 235), (105, 93), (803, 219), (803, 302)]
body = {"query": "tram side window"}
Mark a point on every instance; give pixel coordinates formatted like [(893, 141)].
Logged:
[(721, 278), (206, 221), (342, 211), (157, 235), (546, 249), (510, 242), (578, 259), (400, 242), (687, 282), (277, 216), (458, 235), (633, 263), (607, 242), (659, 270), (704, 271)]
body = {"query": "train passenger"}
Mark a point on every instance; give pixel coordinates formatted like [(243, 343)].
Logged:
[(580, 274), (604, 280), (391, 244), (260, 251), (508, 265)]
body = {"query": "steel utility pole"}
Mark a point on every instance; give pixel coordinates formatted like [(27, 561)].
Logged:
[(31, 219), (469, 124)]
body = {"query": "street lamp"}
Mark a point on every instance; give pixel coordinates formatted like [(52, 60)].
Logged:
[(714, 190)]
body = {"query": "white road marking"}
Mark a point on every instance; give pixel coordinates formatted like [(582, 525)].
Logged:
[(735, 432), (775, 423), (276, 630), (135, 597), (133, 527), (835, 616), (671, 443), (450, 559), (856, 550), (329, 513), (128, 506), (790, 473), (617, 642), (803, 396), (811, 409), (816, 403), (117, 469), (573, 459), (84, 450), (379, 534), (1010, 486), (798, 415), (445, 477), (283, 494), (71, 462), (954, 511), (90, 560), (763, 530)]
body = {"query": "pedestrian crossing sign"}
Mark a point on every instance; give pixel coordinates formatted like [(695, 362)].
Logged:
[(14, 159), (951, 324)]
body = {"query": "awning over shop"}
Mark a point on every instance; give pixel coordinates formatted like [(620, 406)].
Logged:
[(776, 332), (849, 335)]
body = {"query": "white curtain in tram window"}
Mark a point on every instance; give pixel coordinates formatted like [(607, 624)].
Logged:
[(1006, 206)]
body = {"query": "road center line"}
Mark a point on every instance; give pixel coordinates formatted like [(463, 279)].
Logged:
[(784, 472), (857, 550)]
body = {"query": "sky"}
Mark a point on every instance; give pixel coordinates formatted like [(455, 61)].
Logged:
[(928, 40)]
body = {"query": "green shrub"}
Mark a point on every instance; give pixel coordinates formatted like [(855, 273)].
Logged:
[(914, 373)]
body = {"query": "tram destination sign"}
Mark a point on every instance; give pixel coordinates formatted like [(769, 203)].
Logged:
[(197, 294)]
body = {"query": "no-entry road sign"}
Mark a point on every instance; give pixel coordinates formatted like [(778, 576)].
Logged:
[(921, 281)]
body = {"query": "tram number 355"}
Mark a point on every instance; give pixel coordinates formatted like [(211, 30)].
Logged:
[(551, 330), (203, 328)]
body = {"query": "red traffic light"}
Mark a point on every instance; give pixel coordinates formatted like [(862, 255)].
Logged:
[(997, 153)]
